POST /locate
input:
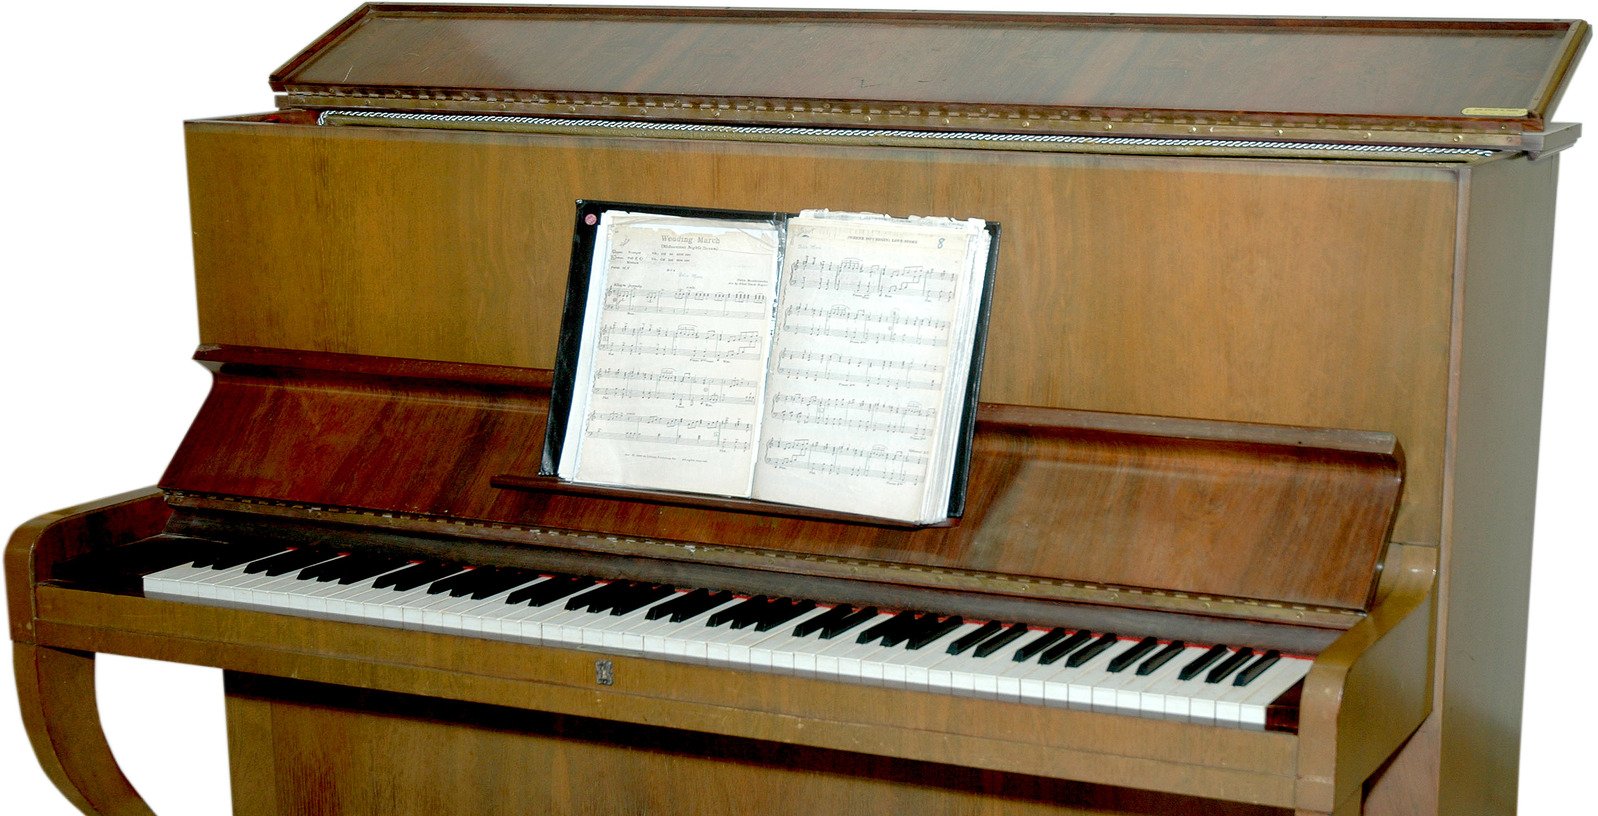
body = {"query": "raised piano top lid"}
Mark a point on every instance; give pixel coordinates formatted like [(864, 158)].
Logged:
[(1443, 82)]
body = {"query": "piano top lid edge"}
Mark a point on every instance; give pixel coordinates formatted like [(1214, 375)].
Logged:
[(1307, 77)]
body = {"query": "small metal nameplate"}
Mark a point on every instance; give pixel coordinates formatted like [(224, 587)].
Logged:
[(1502, 112), (604, 672)]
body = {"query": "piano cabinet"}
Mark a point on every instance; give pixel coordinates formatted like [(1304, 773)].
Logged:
[(328, 716), (1265, 377)]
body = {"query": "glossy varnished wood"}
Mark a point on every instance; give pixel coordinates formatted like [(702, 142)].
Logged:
[(308, 745), (1264, 768), (1057, 71), (1048, 488), (1311, 294), (55, 687)]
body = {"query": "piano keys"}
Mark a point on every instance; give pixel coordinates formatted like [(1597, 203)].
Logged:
[(1235, 416), (914, 650)]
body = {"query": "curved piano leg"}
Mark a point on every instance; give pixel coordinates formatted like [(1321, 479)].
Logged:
[(56, 690)]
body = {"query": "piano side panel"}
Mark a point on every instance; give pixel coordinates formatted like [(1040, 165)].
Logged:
[(1307, 293), (325, 749), (1465, 758)]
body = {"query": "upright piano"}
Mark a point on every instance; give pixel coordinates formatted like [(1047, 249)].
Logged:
[(1255, 447)]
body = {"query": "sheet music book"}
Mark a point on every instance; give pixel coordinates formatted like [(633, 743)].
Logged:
[(827, 360)]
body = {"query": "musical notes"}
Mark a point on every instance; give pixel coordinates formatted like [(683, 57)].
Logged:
[(721, 434), (681, 341), (675, 342), (837, 384), (674, 386), (865, 326), (688, 302), (873, 338), (851, 368), (876, 416), (852, 276), (893, 466)]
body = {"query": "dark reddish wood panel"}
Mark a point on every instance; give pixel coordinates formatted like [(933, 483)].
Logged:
[(1298, 516)]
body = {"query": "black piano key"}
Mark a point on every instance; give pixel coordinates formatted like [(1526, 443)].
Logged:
[(600, 599), (235, 555), (975, 636), (448, 583), (1065, 647), (1257, 668), (848, 622), (417, 569), (322, 572), (1001, 640), (714, 600), (646, 595), (361, 568), (738, 615), (1133, 655), (937, 630), (784, 610), (1049, 638), (1202, 662), (500, 579), (911, 628), (548, 592), (1231, 664), (1092, 650), (419, 574), (822, 621), (540, 590), (690, 605), (459, 584), (882, 630), (284, 563), (748, 614), (680, 602), (1161, 658)]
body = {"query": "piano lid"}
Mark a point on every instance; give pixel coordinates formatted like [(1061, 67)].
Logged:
[(1448, 82)]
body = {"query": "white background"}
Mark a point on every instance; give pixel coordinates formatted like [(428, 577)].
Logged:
[(97, 325)]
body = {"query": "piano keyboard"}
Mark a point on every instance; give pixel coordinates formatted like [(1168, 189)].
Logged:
[(1098, 671)]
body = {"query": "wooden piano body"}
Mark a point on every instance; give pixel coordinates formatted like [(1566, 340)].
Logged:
[(1250, 378)]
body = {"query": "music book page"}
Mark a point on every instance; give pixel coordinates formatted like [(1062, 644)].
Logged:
[(674, 354), (822, 360), (867, 375)]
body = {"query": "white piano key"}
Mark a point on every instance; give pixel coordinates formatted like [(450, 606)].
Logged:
[(1090, 686), (684, 640), (914, 669), (1266, 688), (777, 652)]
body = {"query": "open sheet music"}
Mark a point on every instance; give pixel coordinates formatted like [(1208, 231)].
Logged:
[(822, 360)]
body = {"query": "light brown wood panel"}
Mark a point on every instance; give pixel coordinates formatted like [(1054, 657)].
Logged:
[(1489, 501), (760, 65), (55, 690), (1184, 758), (1256, 290), (321, 749)]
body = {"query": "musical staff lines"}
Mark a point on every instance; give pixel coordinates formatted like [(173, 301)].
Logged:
[(865, 326), (682, 387), (895, 466), (688, 340), (876, 416), (853, 276), (689, 302), (718, 433), (849, 368)]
